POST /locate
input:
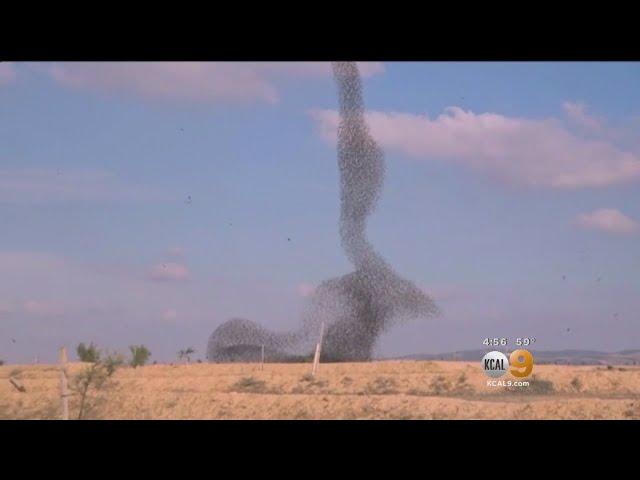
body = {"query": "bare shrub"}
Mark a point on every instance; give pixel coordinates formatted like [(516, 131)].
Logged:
[(537, 386), (576, 384), (461, 386), (249, 385), (439, 385), (381, 386), (94, 378)]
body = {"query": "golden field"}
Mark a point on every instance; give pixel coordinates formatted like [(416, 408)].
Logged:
[(375, 390)]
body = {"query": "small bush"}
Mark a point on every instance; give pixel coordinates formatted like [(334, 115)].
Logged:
[(418, 392), (381, 386), (186, 353), (139, 355), (301, 414), (94, 378), (1, 362), (310, 381), (633, 411), (576, 384), (537, 386), (402, 414), (112, 362), (439, 385), (249, 384), (461, 386), (88, 354)]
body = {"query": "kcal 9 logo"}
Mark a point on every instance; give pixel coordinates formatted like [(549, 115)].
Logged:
[(519, 363)]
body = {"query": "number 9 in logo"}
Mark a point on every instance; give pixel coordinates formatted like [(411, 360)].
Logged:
[(521, 362)]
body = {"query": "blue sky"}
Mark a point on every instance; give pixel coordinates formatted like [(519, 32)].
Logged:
[(148, 203)]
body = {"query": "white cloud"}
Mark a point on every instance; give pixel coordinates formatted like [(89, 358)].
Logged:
[(536, 153), (169, 272), (11, 263), (5, 308), (169, 315), (42, 308), (37, 283), (305, 289), (48, 300), (608, 220), (7, 73), (577, 114), (192, 81)]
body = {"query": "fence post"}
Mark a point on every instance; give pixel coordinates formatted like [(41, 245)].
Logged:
[(262, 359), (316, 357), (64, 382)]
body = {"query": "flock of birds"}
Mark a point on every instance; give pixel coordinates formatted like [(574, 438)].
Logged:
[(189, 201)]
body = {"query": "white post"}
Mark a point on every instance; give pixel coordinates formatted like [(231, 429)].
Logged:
[(262, 357), (64, 392), (316, 357)]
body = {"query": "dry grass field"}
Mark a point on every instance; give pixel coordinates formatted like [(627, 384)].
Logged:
[(376, 390)]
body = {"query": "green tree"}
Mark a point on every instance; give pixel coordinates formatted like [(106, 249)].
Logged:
[(139, 355), (186, 354), (88, 354)]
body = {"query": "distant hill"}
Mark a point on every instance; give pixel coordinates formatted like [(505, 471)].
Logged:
[(566, 357)]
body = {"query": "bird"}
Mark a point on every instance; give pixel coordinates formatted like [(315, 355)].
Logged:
[(288, 239), (189, 199), (564, 277), (599, 278), (13, 340)]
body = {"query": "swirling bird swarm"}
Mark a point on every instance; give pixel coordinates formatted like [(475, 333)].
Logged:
[(358, 307)]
